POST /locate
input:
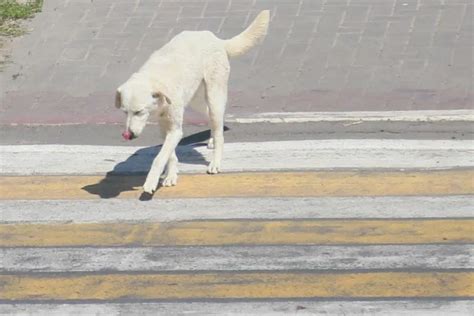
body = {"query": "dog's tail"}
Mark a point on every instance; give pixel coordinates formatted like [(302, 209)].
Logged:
[(243, 42)]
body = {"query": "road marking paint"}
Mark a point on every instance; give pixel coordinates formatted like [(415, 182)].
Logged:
[(236, 286), (127, 210), (262, 156), (238, 258), (239, 232), (318, 307), (283, 184), (307, 117), (362, 116)]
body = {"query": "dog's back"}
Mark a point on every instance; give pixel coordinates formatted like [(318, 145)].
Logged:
[(194, 46)]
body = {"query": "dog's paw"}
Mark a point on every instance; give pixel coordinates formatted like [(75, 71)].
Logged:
[(170, 180), (214, 167), (210, 143), (150, 185)]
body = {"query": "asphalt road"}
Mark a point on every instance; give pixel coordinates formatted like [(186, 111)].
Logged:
[(369, 215), (111, 134)]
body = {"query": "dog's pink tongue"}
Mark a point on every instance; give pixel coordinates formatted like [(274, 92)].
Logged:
[(127, 135)]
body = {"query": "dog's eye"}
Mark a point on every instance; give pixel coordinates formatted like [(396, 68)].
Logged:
[(137, 113)]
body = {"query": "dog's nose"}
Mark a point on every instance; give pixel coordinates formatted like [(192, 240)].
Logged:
[(127, 135)]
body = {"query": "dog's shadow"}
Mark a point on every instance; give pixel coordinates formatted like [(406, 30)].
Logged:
[(135, 167)]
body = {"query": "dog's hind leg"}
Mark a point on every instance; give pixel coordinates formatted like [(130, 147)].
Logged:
[(216, 93), (199, 104), (210, 142)]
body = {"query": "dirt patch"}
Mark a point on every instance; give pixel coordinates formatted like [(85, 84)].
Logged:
[(13, 14)]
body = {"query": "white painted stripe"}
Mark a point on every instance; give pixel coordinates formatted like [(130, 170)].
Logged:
[(237, 258), (361, 116), (385, 308), (165, 210), (263, 156), (308, 117)]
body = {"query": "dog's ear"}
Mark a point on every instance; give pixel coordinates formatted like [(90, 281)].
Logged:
[(160, 96), (118, 99)]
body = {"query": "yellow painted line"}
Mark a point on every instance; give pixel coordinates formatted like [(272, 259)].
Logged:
[(236, 285), (239, 232), (310, 184)]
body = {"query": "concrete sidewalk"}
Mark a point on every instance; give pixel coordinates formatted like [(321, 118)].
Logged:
[(338, 55)]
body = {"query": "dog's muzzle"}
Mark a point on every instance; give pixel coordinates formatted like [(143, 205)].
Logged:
[(127, 135)]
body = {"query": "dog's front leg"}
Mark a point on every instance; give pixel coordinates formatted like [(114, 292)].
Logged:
[(171, 141), (171, 172)]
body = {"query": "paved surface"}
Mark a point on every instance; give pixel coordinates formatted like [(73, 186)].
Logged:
[(110, 135), (258, 156), (344, 213), (320, 55), (388, 231)]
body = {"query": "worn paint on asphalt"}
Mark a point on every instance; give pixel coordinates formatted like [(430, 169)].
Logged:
[(281, 184), (273, 307), (260, 156), (240, 232), (236, 286), (238, 258), (168, 210)]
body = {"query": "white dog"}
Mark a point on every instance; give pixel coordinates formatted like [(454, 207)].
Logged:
[(193, 68)]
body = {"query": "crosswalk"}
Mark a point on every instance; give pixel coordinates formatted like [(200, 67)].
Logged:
[(339, 227)]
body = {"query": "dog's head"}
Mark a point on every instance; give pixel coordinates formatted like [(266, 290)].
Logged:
[(138, 100)]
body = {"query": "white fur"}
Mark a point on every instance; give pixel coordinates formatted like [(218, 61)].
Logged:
[(192, 69)]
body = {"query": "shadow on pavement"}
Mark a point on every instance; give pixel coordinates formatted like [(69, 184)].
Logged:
[(131, 173)]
